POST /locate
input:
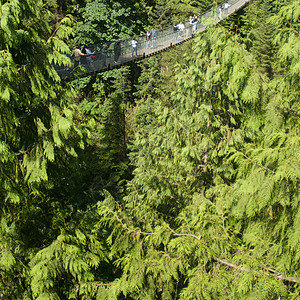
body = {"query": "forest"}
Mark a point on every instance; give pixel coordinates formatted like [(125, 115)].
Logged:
[(172, 177)]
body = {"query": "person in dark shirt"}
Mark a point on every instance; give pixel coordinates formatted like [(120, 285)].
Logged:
[(117, 50), (89, 58), (175, 32), (104, 52), (153, 34)]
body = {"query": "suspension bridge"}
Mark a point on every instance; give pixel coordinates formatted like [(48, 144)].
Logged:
[(103, 60)]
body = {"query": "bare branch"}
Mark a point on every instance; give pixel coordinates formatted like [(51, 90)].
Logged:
[(153, 233), (271, 272), (224, 262), (188, 234)]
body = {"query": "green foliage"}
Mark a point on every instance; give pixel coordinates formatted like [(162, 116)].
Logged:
[(70, 6), (165, 13), (260, 35), (104, 114), (70, 258), (106, 20), (215, 187), (38, 132), (211, 131)]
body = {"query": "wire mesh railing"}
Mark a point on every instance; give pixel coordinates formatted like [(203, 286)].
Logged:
[(106, 56)]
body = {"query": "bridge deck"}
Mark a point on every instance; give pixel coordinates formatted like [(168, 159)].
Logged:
[(166, 38)]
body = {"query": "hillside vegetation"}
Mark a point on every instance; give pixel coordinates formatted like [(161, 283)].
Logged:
[(176, 177)]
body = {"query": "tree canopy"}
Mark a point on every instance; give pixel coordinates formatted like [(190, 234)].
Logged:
[(176, 177)]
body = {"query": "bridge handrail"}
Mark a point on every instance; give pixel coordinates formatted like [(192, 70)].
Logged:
[(166, 38)]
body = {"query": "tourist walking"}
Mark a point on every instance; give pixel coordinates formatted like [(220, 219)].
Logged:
[(77, 55), (175, 32), (191, 20), (89, 57), (148, 35), (117, 50), (181, 28), (220, 11), (153, 34), (195, 21), (104, 52), (226, 6), (134, 46)]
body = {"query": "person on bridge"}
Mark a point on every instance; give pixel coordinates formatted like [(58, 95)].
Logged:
[(191, 21), (199, 17), (90, 57), (181, 28), (175, 32), (134, 46), (117, 50), (148, 35), (104, 52), (221, 11), (77, 54), (153, 34), (226, 6), (195, 21)]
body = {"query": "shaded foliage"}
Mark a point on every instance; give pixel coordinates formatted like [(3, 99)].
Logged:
[(176, 178), (106, 20)]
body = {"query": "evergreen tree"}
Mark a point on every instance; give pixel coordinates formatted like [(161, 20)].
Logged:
[(261, 35), (38, 133), (213, 208), (81, 258), (107, 20)]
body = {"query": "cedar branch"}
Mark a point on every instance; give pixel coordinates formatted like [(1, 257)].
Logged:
[(271, 271)]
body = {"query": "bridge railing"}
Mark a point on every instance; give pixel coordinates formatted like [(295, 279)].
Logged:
[(166, 37)]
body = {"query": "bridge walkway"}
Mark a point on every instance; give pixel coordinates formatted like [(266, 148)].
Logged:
[(166, 38)]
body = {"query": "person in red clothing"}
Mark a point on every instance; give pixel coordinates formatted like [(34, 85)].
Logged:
[(148, 35)]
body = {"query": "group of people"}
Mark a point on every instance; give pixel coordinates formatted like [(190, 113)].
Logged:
[(193, 20), (223, 8), (86, 51), (150, 41), (151, 37), (179, 28), (78, 54)]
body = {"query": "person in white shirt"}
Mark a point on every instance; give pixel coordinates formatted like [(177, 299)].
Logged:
[(181, 28), (220, 11), (134, 46), (89, 57), (226, 6)]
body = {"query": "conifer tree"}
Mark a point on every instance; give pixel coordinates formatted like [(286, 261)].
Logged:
[(38, 133), (261, 35), (107, 20), (213, 209), (81, 257)]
